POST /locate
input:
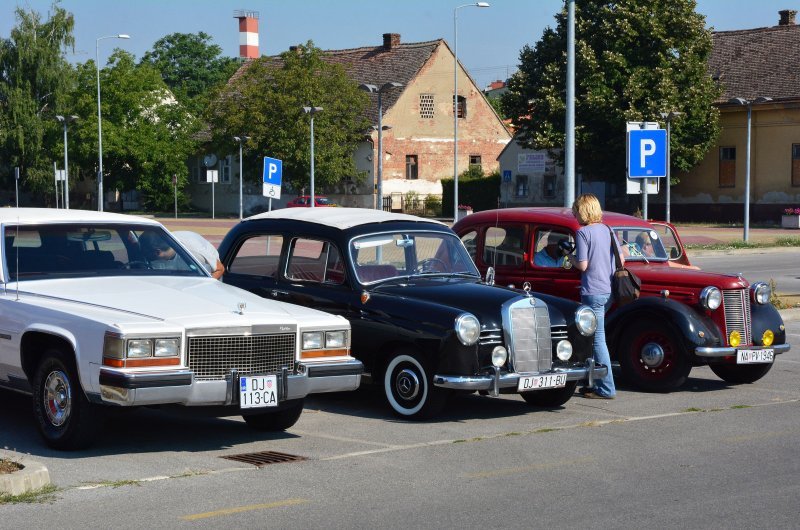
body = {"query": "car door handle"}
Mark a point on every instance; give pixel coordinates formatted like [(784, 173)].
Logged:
[(276, 293)]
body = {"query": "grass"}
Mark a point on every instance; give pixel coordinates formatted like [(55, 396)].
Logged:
[(45, 494)]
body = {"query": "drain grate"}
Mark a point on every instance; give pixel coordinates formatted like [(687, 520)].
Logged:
[(265, 458)]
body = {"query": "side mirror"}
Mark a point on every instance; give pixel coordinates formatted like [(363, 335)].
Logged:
[(490, 276)]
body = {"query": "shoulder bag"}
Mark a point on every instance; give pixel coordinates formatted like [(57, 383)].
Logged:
[(625, 285)]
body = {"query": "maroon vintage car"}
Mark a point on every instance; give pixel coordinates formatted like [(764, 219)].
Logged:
[(685, 317)]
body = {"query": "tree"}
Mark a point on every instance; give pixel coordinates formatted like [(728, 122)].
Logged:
[(191, 67), (34, 81), (634, 59), (147, 134), (266, 103)]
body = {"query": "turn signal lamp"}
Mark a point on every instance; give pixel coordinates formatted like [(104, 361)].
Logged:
[(735, 339), (767, 338)]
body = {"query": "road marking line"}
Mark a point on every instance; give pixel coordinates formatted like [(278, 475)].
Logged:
[(241, 509), (526, 469)]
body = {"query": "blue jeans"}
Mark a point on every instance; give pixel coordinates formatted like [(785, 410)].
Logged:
[(599, 303)]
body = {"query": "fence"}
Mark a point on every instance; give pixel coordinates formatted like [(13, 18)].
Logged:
[(412, 203)]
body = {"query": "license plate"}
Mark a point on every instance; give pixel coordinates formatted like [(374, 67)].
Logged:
[(767, 355), (538, 382), (256, 391)]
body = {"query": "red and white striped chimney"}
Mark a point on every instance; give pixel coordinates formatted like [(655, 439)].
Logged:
[(248, 33)]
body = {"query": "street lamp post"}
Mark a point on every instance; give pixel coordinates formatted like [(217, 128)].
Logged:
[(749, 104), (312, 111), (241, 139), (455, 101), (66, 120), (668, 117), (374, 88), (100, 118)]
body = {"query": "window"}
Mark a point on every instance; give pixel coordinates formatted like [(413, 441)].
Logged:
[(225, 170), (258, 256), (315, 261), (727, 167), (521, 188), (548, 252), (504, 246), (462, 106), (426, 106), (470, 240), (549, 186), (411, 167), (795, 164), (475, 161)]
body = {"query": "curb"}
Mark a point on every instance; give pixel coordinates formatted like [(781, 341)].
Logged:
[(789, 315), (31, 477)]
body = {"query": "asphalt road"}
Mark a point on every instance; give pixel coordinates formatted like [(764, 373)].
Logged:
[(757, 265), (707, 455)]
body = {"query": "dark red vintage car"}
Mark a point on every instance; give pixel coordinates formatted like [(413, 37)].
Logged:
[(685, 317)]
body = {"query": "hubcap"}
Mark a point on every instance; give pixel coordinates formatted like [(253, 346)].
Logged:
[(407, 384), (57, 398), (652, 355)]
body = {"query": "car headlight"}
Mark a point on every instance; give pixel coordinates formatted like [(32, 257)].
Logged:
[(761, 292), (564, 350), (335, 339), (138, 348), (468, 329), (585, 320), (312, 340), (499, 356), (710, 298), (167, 347)]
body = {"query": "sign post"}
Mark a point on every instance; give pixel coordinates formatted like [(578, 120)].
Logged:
[(647, 155), (273, 178), (212, 176)]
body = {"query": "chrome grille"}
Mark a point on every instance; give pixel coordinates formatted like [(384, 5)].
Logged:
[(558, 332), (736, 305), (212, 358), (532, 349), (491, 337)]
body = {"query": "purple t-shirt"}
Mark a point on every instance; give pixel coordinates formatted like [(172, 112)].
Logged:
[(593, 244)]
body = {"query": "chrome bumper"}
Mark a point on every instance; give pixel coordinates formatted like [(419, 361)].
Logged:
[(727, 351), (128, 388), (499, 380)]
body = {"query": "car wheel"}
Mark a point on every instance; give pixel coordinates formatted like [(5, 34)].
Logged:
[(64, 416), (550, 398), (740, 373), (409, 389), (651, 357), (278, 420)]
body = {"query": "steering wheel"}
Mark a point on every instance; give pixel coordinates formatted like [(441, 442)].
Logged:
[(431, 265)]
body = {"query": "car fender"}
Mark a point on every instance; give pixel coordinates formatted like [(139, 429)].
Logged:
[(766, 317), (690, 323)]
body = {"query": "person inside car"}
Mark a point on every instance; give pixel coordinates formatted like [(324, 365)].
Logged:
[(551, 255)]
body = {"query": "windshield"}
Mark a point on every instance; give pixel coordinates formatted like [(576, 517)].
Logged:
[(378, 257), (83, 250), (641, 244), (324, 201)]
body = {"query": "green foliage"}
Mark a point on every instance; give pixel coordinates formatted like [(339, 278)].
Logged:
[(147, 135), (634, 60), (34, 81), (481, 193), (266, 104), (497, 105), (191, 67)]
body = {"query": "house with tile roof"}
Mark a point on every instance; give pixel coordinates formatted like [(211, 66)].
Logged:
[(418, 125), (759, 67)]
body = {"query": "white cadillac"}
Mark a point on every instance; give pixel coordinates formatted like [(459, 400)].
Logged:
[(109, 309)]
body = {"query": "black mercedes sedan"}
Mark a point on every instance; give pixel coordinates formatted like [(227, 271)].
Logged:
[(424, 322)]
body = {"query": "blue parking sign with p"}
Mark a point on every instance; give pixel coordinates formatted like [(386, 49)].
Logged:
[(273, 175), (647, 153)]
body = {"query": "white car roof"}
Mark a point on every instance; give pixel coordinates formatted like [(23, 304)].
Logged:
[(52, 215), (341, 218)]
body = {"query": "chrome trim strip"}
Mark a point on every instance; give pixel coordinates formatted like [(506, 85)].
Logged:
[(726, 351), (510, 380), (354, 367)]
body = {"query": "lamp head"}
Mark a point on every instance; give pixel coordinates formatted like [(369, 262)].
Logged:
[(123, 36), (482, 4), (738, 101), (390, 85), (367, 87)]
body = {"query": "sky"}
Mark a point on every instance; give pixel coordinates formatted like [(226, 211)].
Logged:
[(489, 39)]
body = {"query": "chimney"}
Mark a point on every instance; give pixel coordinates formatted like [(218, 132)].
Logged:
[(248, 33), (391, 40), (787, 17)]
